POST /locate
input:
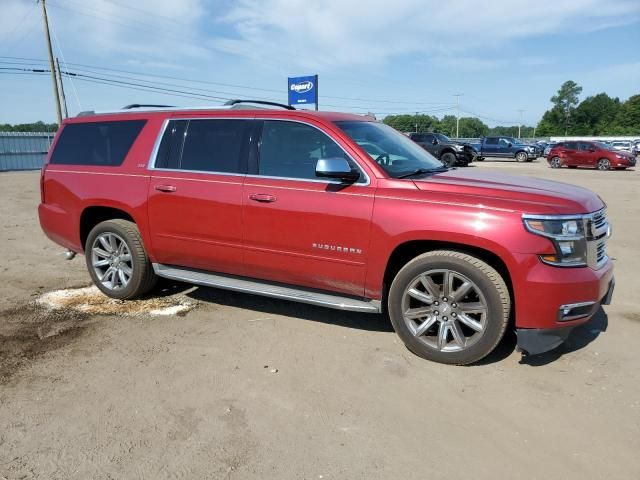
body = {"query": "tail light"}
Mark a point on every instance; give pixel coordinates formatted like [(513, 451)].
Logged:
[(44, 167)]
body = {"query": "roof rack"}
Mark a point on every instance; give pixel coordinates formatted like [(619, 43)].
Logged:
[(231, 103), (142, 105)]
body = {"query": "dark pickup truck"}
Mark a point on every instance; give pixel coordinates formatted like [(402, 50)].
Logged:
[(505, 147), (449, 152)]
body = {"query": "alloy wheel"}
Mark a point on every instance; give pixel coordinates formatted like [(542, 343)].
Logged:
[(445, 310), (112, 261), (555, 162), (604, 164)]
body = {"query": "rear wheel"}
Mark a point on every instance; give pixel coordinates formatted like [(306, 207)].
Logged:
[(449, 159), (117, 261), (604, 164), (449, 307), (555, 162)]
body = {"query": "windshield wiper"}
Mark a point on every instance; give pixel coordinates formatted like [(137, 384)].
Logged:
[(423, 171)]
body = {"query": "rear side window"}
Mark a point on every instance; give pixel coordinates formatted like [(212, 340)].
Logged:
[(491, 141), (96, 143), (204, 146)]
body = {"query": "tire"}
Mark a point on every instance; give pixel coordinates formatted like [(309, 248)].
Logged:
[(479, 159), (449, 159), (436, 331), (521, 157), (555, 162), (115, 246), (603, 164)]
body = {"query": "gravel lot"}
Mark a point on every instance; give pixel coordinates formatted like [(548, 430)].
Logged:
[(247, 387)]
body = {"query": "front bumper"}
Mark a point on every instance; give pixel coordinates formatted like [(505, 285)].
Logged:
[(534, 341)]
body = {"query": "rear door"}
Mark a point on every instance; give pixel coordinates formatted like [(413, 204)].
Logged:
[(300, 229), (571, 153), (490, 147), (195, 193)]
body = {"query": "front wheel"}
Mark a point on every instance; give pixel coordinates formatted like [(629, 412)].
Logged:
[(449, 159), (604, 164), (555, 162), (521, 156), (449, 307), (117, 261)]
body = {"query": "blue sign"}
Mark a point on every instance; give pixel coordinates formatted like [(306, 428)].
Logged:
[(303, 90)]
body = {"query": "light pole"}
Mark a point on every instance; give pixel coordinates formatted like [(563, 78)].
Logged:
[(458, 95), (520, 124)]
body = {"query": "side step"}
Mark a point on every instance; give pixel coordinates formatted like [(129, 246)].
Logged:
[(267, 289)]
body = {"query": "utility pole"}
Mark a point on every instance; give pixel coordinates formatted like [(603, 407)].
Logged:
[(520, 124), (56, 94), (64, 98), (416, 122), (458, 95)]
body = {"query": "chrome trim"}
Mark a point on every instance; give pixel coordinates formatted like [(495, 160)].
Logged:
[(156, 147), (258, 287), (572, 306)]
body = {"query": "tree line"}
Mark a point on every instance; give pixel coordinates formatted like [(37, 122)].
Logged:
[(595, 115), (29, 127)]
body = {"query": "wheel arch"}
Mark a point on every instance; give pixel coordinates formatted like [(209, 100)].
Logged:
[(406, 251), (95, 214)]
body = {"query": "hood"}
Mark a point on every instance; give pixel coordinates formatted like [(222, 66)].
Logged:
[(518, 193)]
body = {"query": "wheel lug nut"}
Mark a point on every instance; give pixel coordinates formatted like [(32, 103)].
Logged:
[(444, 299), (436, 303), (445, 318), (435, 312), (454, 314), (454, 305)]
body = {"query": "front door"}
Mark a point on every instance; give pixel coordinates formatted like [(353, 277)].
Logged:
[(300, 229), (195, 194)]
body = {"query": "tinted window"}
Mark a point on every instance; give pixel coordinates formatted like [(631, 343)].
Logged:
[(171, 145), (96, 143), (491, 141), (585, 146), (418, 137), (505, 141), (290, 149), (214, 146), (571, 145)]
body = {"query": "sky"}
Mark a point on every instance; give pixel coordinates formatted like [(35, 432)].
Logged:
[(380, 56)]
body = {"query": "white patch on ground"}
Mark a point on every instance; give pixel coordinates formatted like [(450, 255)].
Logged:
[(92, 301)]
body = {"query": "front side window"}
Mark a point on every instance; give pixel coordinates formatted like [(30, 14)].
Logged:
[(394, 152), (96, 143), (292, 150)]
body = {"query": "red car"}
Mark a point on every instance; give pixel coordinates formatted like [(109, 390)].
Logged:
[(330, 209), (589, 154)]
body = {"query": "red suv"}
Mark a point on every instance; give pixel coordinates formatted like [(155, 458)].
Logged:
[(589, 154), (330, 209)]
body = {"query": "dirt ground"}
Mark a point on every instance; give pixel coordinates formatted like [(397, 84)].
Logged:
[(252, 388)]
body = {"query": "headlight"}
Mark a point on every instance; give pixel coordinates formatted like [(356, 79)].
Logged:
[(457, 147), (619, 156), (567, 235)]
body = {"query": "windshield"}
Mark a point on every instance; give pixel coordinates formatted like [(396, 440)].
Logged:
[(394, 152), (442, 138), (602, 146)]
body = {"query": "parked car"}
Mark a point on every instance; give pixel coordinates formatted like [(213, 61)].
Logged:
[(505, 147), (548, 148), (447, 151), (589, 154), (297, 205), (623, 146)]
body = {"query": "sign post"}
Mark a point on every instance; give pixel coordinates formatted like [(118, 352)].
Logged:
[(303, 90)]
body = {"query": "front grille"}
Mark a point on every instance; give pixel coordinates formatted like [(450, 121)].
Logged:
[(598, 230)]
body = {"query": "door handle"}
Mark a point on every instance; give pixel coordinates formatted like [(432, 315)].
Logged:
[(165, 188), (263, 197)]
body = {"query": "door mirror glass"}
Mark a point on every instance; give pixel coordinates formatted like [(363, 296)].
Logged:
[(337, 168), (509, 145), (434, 141)]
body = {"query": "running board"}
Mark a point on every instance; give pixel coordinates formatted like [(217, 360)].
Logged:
[(266, 289)]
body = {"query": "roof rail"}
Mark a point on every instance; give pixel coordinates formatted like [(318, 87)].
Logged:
[(142, 105), (231, 103)]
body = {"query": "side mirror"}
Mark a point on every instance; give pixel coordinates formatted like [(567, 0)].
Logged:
[(509, 145), (434, 141), (337, 168), (591, 149)]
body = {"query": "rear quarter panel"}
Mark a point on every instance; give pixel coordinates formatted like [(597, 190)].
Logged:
[(70, 189)]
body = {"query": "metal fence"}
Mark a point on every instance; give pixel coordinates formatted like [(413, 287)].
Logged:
[(23, 150)]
